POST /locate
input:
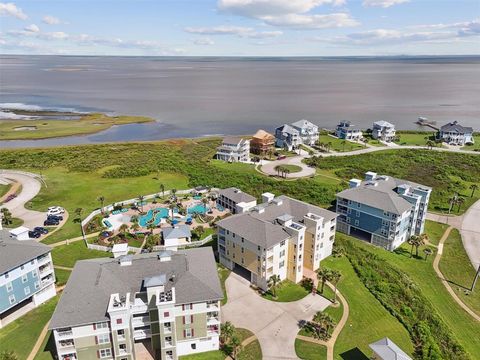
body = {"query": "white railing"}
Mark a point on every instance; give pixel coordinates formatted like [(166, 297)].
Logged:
[(191, 244)]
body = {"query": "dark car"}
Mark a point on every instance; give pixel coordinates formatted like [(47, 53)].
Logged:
[(41, 230), (50, 222), (55, 217), (34, 234), (10, 197)]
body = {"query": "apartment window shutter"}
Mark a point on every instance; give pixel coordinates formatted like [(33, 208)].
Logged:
[(193, 333), (183, 307), (96, 339), (94, 326), (98, 354), (184, 333), (191, 306), (183, 320), (191, 319)]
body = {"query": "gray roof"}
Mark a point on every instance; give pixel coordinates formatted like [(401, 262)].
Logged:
[(388, 350), (303, 123), (456, 127), (383, 196), (87, 294), (177, 232), (14, 253), (288, 129), (232, 140), (237, 195), (261, 228), (383, 123)]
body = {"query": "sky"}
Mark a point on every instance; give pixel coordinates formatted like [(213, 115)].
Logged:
[(241, 27)]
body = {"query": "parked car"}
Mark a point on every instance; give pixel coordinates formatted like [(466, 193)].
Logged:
[(34, 234), (10, 197), (51, 222), (56, 217), (281, 157), (40, 229), (105, 234)]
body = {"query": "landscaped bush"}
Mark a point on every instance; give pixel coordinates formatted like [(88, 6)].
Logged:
[(404, 300)]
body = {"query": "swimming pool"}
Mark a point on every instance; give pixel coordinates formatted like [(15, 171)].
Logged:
[(198, 209), (160, 213)]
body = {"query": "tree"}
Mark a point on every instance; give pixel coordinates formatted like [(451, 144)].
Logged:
[(173, 192), (8, 355), (418, 241), (205, 203), (141, 198), (323, 275), (273, 282), (335, 278), (411, 241), (162, 190), (78, 218), (430, 144), (172, 207), (460, 202), (344, 142), (474, 188), (151, 226), (427, 252), (452, 201), (123, 229), (365, 141), (6, 216), (134, 227), (101, 199), (236, 345), (321, 325), (226, 332)]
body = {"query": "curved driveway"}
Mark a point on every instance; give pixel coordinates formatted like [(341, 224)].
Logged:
[(269, 168), (470, 231), (275, 324), (30, 188)]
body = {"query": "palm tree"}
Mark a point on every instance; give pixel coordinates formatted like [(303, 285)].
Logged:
[(140, 200), (411, 241), (427, 252), (460, 202), (173, 192), (123, 229), (324, 323), (236, 345), (6, 216), (344, 142), (430, 144), (329, 146), (419, 241), (452, 201), (78, 218), (335, 278), (151, 227), (273, 282), (101, 199), (162, 190), (324, 275), (172, 207), (365, 141), (226, 332), (474, 188), (135, 227), (270, 153)]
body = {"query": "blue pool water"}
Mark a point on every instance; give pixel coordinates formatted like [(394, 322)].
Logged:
[(160, 213), (198, 197), (198, 209)]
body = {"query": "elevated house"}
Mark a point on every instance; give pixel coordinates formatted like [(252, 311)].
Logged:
[(287, 137), (345, 130), (234, 149), (282, 236), (383, 210), (262, 142), (27, 276), (165, 304), (455, 134), (308, 131), (384, 131)]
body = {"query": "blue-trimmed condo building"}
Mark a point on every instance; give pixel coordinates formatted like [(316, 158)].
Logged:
[(27, 277), (382, 210)]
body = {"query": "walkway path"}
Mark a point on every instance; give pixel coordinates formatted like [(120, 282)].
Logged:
[(436, 267), (14, 186), (78, 238), (38, 344), (276, 325)]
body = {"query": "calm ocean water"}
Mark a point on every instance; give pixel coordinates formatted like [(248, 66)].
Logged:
[(192, 97)]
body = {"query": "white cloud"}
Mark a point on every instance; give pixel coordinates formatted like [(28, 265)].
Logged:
[(204, 42), (300, 21), (239, 31), (10, 9), (52, 20), (383, 3), (32, 28)]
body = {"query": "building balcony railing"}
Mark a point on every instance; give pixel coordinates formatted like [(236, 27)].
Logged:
[(213, 320), (140, 320), (142, 334), (65, 334), (43, 259), (69, 357), (167, 330), (213, 332)]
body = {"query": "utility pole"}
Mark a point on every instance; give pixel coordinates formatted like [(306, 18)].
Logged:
[(475, 279)]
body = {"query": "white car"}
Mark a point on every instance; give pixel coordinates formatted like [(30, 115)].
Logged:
[(55, 210)]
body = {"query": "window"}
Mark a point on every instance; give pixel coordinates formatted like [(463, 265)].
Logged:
[(11, 299), (27, 290), (37, 285), (34, 273), (281, 264), (243, 250), (258, 258), (357, 222), (24, 278), (121, 332), (167, 324), (103, 339), (166, 314), (233, 245), (282, 243), (358, 213), (243, 240), (187, 319), (104, 353), (194, 346), (243, 262), (188, 333), (359, 205), (9, 287), (119, 321), (102, 325), (258, 248), (7, 275), (299, 268), (233, 235)]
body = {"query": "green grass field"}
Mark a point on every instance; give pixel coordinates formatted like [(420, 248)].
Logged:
[(209, 355), (21, 335), (458, 271), (234, 167), (287, 291), (4, 189), (47, 350), (44, 128), (339, 145), (68, 255), (291, 168), (309, 351), (223, 274), (251, 351), (435, 231), (62, 276), (475, 146), (415, 139), (368, 320)]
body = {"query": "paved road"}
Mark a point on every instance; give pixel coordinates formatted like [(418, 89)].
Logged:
[(470, 230), (30, 188), (275, 324)]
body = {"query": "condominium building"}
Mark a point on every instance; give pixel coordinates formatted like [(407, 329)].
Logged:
[(282, 236), (146, 306), (383, 210), (345, 130), (235, 200), (27, 277), (262, 142), (308, 131), (234, 149), (455, 134), (383, 130)]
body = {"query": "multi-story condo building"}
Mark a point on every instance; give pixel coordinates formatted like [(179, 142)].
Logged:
[(345, 130), (262, 142), (383, 130), (234, 149), (308, 131), (456, 134), (383, 210), (26, 275), (165, 305), (282, 236), (287, 137), (235, 200)]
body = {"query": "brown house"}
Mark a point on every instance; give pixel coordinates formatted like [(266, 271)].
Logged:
[(262, 142)]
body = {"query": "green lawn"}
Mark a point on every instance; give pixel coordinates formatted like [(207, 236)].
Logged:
[(415, 138), (21, 335), (74, 189), (459, 272), (465, 329), (68, 255), (288, 291), (368, 320), (435, 230), (253, 350), (339, 145), (16, 222), (223, 274), (235, 166), (4, 189), (310, 351), (290, 168), (209, 355), (47, 350), (62, 276), (335, 311)]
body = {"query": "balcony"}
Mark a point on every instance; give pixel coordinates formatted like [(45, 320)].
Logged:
[(167, 330), (47, 281), (65, 334), (123, 352), (212, 306), (213, 330), (140, 321), (45, 269), (213, 320), (142, 334), (43, 259), (71, 356)]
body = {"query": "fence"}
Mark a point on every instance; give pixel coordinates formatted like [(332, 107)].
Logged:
[(192, 244), (99, 247)]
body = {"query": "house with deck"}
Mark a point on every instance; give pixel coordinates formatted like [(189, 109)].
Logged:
[(234, 149), (262, 143), (307, 130), (346, 131), (382, 210), (384, 131), (146, 306), (455, 134)]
